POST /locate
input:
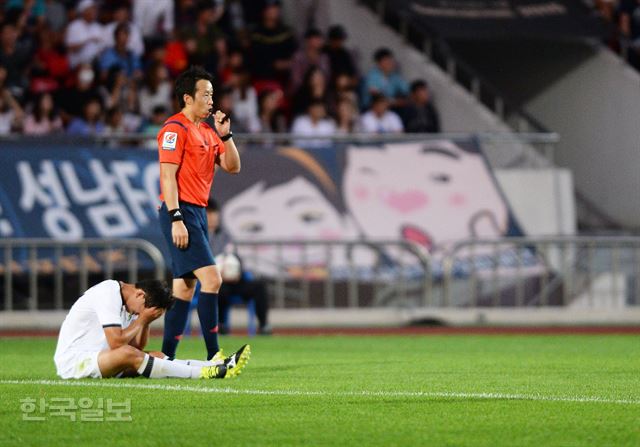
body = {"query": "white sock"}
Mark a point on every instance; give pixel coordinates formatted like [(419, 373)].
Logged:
[(157, 368), (197, 362)]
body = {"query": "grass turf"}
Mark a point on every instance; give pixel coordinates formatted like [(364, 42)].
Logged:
[(336, 394)]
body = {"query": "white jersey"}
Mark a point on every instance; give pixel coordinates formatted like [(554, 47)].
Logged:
[(83, 328)]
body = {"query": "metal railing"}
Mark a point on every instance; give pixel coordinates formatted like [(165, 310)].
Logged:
[(574, 272), (348, 283), (588, 272), (577, 272), (40, 258)]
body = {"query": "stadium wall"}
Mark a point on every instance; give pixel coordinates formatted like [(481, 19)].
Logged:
[(596, 110)]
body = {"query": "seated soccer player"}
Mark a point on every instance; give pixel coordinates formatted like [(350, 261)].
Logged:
[(107, 328)]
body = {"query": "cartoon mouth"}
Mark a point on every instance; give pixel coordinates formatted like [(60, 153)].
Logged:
[(415, 234)]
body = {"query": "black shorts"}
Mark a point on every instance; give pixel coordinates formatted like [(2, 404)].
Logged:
[(198, 252)]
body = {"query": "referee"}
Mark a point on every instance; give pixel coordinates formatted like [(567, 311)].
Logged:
[(188, 151)]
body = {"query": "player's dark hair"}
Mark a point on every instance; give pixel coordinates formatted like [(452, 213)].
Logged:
[(212, 205), (186, 83), (156, 293)]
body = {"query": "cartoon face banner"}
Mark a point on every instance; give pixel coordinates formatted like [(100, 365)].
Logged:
[(432, 194)]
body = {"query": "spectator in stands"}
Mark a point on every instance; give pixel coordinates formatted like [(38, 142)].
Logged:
[(15, 58), (156, 89), (314, 123), (341, 60), (272, 46), (154, 18), (90, 123), (379, 119), (50, 68), (71, 100), (202, 37), (121, 92), (272, 119), (385, 79), (120, 57), (176, 58), (245, 101), (159, 115), (310, 55), (630, 28), (227, 105), (244, 287), (43, 120), (11, 114), (420, 115), (122, 16), (347, 117), (313, 88), (84, 35), (55, 15), (343, 86), (234, 63)]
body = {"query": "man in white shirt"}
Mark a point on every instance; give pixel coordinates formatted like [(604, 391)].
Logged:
[(84, 38), (379, 119), (107, 328), (134, 43), (154, 18), (314, 123)]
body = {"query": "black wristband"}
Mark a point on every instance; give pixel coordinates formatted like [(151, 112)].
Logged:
[(227, 137), (176, 215)]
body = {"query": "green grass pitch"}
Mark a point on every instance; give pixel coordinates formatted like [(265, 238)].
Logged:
[(452, 390)]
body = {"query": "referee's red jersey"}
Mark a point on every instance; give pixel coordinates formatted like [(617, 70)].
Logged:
[(195, 149)]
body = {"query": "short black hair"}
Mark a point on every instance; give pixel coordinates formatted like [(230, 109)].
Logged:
[(313, 32), (187, 80), (156, 293), (382, 53), (418, 84), (378, 97), (121, 27)]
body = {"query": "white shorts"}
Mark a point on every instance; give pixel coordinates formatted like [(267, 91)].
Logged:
[(78, 365)]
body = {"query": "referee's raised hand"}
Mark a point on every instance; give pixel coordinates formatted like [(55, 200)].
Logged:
[(222, 122)]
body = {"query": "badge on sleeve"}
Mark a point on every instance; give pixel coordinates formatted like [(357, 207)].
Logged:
[(169, 140)]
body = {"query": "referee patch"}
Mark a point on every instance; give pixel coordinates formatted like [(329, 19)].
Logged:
[(169, 140)]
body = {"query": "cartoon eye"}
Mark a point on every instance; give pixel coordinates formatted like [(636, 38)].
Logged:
[(252, 227), (311, 216), (368, 171), (441, 177)]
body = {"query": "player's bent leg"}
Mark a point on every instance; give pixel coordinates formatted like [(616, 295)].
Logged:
[(210, 281), (114, 361)]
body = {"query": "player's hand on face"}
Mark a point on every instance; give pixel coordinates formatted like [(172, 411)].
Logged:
[(150, 314), (179, 235), (222, 122)]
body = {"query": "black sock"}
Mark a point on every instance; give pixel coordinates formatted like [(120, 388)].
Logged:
[(208, 314), (175, 320)]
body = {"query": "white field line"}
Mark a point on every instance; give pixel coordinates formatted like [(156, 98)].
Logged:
[(411, 394)]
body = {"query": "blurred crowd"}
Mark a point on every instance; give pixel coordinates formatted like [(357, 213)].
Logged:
[(87, 67), (625, 16)]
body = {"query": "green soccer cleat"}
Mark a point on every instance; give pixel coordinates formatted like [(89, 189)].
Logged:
[(214, 372), (237, 361)]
